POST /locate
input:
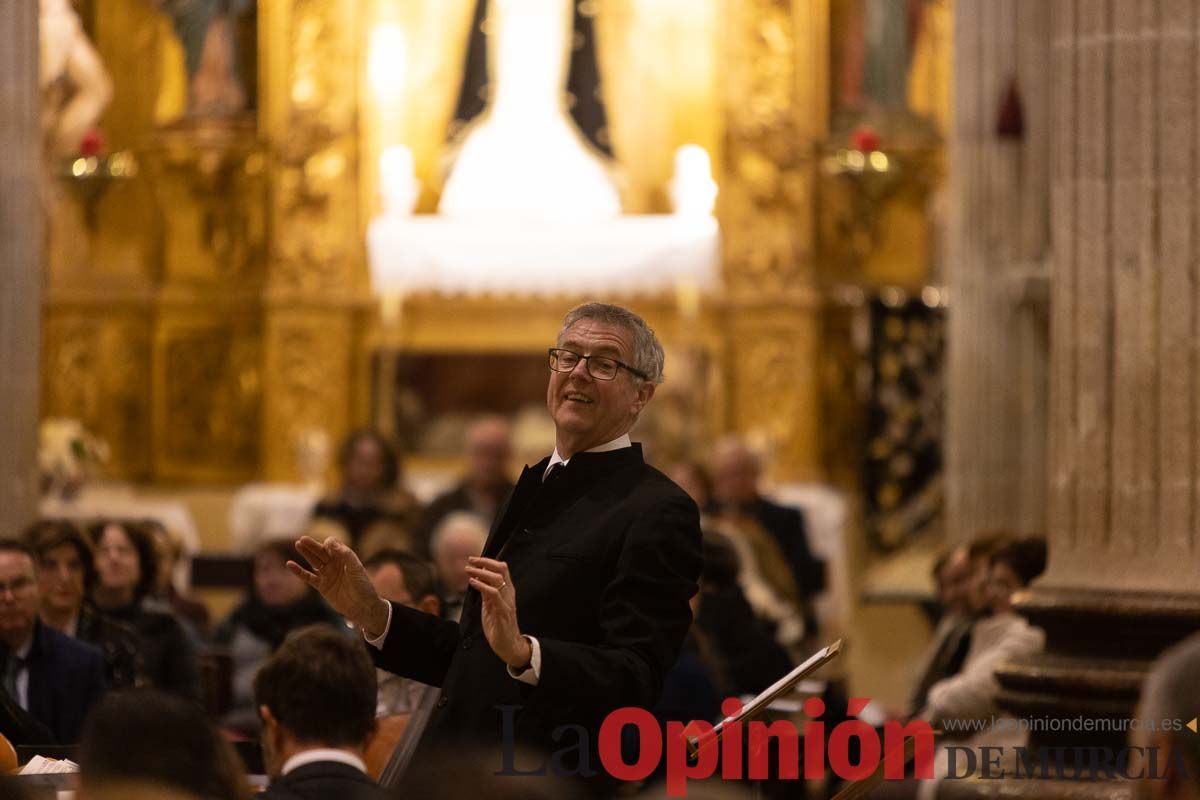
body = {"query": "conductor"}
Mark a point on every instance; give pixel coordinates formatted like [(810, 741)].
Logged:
[(579, 602)]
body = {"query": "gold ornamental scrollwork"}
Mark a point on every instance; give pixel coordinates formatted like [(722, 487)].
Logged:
[(314, 133), (767, 186), (92, 370), (303, 352)]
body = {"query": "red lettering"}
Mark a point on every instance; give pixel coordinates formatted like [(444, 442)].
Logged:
[(650, 744), (678, 768)]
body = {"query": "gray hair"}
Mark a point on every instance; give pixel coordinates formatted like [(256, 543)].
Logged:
[(1171, 692), (647, 352), (458, 523)]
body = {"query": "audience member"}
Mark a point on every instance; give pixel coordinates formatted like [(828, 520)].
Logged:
[(693, 479), (743, 511), (1000, 634), (750, 655), (952, 636), (458, 537), (1170, 692), (278, 603), (316, 695), (126, 574), (66, 572), (371, 491), (50, 675), (186, 609), (401, 577), (150, 739), (486, 484)]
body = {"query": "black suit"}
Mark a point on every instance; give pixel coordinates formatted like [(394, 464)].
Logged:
[(324, 780), (604, 557), (65, 678)]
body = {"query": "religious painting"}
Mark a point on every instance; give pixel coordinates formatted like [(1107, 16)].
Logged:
[(890, 64)]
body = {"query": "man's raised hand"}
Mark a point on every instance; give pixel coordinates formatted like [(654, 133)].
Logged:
[(339, 576)]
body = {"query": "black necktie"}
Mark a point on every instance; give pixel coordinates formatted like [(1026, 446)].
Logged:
[(554, 469)]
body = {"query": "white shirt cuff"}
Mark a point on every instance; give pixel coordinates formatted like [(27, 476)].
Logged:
[(377, 642), (533, 673)]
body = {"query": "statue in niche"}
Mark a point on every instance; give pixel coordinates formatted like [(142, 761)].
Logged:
[(208, 33), (74, 84), (524, 157)]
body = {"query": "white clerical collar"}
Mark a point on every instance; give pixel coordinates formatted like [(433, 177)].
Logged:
[(618, 443), (323, 754)]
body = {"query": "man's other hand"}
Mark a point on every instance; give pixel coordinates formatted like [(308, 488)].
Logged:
[(340, 578), (491, 579)]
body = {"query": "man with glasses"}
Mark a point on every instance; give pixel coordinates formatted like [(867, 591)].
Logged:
[(579, 603), (46, 673)]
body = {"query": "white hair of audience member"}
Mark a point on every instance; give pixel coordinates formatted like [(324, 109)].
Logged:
[(457, 537)]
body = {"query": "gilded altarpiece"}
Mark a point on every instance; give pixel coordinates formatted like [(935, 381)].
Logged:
[(203, 312), (224, 314)]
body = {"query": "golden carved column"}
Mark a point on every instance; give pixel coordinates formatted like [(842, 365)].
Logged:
[(20, 264), (775, 99), (316, 279)]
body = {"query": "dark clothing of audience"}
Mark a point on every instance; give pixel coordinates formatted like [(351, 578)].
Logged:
[(457, 499), (753, 660), (947, 660), (117, 642), (272, 624), (64, 678), (168, 654), (189, 611), (324, 780), (19, 726)]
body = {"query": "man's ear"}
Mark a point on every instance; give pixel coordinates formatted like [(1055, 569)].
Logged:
[(644, 392), (268, 719)]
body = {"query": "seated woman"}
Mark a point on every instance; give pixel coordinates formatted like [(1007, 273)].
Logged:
[(66, 573), (126, 569), (278, 603), (370, 492)]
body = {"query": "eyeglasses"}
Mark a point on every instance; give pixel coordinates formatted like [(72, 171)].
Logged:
[(602, 368)]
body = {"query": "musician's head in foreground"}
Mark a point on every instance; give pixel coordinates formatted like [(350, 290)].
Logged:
[(317, 692)]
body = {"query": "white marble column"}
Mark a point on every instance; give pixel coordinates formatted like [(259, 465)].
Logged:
[(998, 242), (20, 263), (1125, 413)]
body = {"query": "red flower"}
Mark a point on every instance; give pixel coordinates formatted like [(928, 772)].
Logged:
[(864, 138), (92, 143)]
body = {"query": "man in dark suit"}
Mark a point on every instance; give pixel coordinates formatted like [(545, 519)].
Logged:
[(316, 697), (483, 488), (50, 675), (735, 475), (579, 604)]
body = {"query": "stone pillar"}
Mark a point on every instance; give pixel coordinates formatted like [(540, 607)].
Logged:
[(1124, 501), (998, 242), (20, 264)]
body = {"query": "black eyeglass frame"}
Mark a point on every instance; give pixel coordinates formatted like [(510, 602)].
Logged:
[(588, 364)]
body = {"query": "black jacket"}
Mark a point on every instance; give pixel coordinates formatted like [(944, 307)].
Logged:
[(65, 678), (604, 557), (324, 780)]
